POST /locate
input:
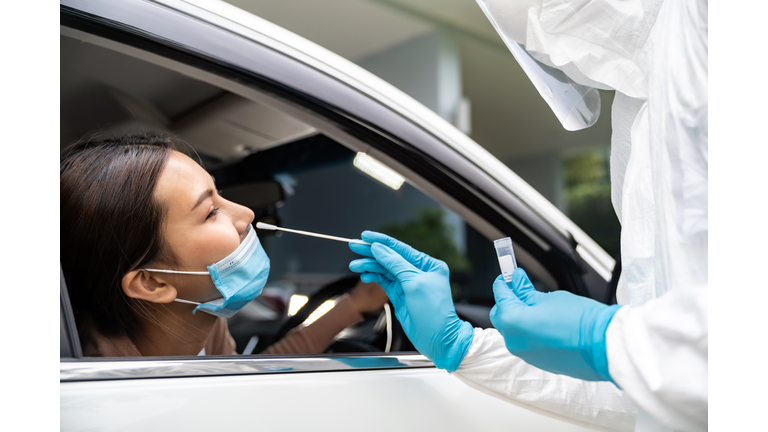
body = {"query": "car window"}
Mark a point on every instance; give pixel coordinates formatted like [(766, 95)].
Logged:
[(293, 174)]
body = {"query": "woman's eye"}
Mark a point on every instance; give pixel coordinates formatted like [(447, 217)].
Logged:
[(212, 213)]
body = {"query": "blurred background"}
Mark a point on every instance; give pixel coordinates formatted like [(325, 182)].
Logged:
[(445, 54)]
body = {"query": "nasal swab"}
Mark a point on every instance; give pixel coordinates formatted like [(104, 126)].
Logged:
[(266, 226)]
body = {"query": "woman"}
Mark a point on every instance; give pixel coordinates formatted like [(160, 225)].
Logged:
[(143, 236)]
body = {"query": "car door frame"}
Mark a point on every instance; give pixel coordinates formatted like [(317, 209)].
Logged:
[(199, 44)]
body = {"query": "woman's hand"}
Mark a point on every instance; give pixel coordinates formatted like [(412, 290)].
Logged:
[(368, 297)]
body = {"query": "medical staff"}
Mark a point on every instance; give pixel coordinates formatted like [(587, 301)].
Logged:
[(640, 365)]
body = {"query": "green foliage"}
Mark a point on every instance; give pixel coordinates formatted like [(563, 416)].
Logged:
[(430, 234), (588, 168), (588, 197)]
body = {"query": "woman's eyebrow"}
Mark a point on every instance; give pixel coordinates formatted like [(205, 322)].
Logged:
[(208, 193)]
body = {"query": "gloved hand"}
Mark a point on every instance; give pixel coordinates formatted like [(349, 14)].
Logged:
[(558, 332), (420, 291)]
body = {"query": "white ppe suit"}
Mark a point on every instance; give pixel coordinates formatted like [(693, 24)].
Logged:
[(654, 54)]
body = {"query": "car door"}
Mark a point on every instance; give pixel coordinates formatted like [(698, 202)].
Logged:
[(373, 390)]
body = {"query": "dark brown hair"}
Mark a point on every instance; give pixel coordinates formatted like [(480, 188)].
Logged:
[(110, 224)]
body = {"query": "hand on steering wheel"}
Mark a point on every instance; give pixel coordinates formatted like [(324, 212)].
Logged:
[(368, 297)]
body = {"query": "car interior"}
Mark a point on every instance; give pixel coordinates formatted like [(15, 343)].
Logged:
[(289, 167)]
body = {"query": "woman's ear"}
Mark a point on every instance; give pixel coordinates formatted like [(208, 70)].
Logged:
[(141, 284)]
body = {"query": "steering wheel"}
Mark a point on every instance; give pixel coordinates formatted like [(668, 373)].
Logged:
[(327, 292)]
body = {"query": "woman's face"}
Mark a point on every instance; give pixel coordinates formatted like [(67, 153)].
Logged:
[(200, 227)]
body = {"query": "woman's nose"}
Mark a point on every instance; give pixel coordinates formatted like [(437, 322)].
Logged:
[(243, 217)]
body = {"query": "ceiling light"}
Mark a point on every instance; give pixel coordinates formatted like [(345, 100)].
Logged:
[(378, 170)]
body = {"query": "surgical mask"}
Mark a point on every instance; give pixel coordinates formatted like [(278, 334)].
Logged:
[(239, 277)]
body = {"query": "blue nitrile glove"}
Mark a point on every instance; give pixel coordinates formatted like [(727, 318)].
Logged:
[(420, 291), (558, 331)]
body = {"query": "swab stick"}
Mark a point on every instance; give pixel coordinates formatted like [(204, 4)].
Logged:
[(266, 226)]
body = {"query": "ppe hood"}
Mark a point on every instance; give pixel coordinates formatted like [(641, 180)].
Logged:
[(576, 106)]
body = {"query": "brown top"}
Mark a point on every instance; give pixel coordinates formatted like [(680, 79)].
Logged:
[(311, 339), (99, 345)]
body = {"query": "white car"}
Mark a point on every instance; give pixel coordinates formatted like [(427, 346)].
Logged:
[(275, 116)]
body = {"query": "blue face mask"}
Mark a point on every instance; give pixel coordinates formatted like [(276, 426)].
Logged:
[(239, 277)]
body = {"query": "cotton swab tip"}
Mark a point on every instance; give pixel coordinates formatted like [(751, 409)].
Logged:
[(265, 226)]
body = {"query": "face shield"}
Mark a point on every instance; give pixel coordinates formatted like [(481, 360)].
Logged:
[(576, 106)]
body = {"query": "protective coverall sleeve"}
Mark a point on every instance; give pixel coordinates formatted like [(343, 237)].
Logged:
[(658, 353), (490, 368)]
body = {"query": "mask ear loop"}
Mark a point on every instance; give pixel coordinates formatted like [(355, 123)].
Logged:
[(180, 272), (205, 273), (186, 301)]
